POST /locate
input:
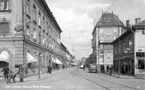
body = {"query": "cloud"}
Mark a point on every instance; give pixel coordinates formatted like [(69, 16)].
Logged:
[(76, 28), (76, 19)]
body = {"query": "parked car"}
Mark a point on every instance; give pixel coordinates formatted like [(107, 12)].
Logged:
[(92, 68)]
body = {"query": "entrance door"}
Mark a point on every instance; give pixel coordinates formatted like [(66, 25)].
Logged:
[(132, 67)]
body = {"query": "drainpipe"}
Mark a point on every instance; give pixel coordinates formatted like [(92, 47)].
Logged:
[(23, 32), (119, 53)]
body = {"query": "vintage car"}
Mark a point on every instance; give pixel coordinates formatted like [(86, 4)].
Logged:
[(92, 68)]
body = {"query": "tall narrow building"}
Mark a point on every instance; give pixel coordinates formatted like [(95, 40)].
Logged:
[(107, 29)]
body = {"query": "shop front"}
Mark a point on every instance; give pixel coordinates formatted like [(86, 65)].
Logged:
[(124, 65), (127, 66)]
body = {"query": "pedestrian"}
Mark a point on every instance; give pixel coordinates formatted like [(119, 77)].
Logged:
[(21, 73), (12, 76), (50, 68), (111, 70), (5, 70)]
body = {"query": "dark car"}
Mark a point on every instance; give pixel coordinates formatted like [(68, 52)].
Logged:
[(81, 66), (92, 68)]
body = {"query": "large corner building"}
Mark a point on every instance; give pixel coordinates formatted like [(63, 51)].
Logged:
[(29, 35), (107, 29)]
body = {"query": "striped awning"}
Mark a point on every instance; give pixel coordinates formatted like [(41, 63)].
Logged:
[(56, 60), (30, 58), (4, 56)]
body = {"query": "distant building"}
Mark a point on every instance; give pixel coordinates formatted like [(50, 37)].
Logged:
[(29, 35), (129, 51), (107, 29)]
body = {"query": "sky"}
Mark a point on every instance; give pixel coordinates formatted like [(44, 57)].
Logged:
[(77, 19)]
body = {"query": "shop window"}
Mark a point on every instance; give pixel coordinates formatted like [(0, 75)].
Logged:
[(141, 64), (4, 5)]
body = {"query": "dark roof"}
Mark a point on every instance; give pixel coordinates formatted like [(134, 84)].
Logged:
[(109, 19), (122, 36), (50, 13), (140, 24)]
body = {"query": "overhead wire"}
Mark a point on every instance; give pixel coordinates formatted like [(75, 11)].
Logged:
[(111, 5)]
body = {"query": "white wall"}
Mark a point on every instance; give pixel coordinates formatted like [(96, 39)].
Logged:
[(139, 45)]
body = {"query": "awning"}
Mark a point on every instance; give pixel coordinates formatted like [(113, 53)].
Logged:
[(56, 60), (30, 58), (4, 56)]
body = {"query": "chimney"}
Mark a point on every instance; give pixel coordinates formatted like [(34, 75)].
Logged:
[(127, 23), (137, 20)]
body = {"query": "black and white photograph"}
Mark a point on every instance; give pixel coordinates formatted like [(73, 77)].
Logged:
[(72, 44)]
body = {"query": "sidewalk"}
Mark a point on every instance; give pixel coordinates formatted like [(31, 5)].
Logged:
[(35, 77), (121, 76)]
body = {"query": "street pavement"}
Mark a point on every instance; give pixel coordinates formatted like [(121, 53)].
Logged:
[(76, 79)]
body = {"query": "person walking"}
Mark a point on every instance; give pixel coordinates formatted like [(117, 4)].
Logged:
[(50, 67), (21, 73), (111, 70), (12, 76), (5, 70)]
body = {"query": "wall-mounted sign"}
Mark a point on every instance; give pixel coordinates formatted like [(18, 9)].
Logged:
[(18, 28)]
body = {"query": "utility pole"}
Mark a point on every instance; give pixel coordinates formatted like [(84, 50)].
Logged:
[(39, 64)]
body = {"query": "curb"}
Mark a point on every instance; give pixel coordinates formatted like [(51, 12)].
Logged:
[(116, 76)]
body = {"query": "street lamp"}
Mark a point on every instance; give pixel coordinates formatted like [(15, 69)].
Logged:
[(39, 65)]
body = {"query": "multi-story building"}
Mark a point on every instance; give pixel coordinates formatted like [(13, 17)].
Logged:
[(63, 54), (107, 29), (29, 34), (129, 51)]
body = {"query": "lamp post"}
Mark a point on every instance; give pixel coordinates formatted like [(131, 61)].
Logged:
[(39, 65)]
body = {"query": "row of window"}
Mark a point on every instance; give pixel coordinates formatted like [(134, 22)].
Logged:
[(39, 27), (39, 19)]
